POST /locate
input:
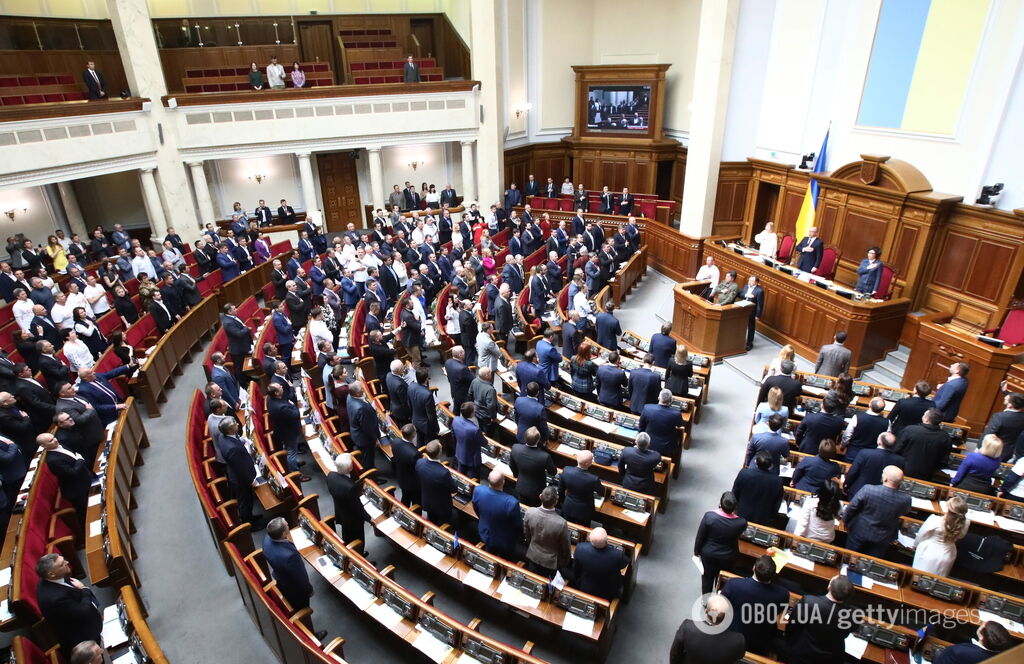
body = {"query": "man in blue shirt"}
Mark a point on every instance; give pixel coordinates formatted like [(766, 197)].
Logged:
[(771, 441), (608, 328), (663, 346), (598, 567), (501, 520), (529, 371), (288, 567), (549, 356), (949, 395), (662, 422)]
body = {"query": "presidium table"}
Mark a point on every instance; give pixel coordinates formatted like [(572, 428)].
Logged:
[(806, 311)]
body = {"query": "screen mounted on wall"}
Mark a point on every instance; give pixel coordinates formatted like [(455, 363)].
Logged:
[(619, 108)]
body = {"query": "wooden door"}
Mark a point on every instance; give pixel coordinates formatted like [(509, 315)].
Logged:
[(339, 187), (423, 30), (316, 44)]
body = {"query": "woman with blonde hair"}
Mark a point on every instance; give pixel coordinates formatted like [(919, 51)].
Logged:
[(975, 473), (935, 545), (767, 241), (55, 250), (787, 352), (678, 372), (773, 406)]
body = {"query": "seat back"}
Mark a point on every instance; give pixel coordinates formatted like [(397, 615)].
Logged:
[(1012, 331), (829, 261), (885, 283), (786, 248)]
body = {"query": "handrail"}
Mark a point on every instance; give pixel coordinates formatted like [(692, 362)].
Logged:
[(319, 92)]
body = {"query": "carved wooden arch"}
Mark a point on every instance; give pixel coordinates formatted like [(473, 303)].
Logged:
[(885, 173)]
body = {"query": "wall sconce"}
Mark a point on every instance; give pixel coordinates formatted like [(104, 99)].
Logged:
[(417, 162), (21, 206), (521, 109), (259, 177)]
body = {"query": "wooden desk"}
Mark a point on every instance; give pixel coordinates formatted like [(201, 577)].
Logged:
[(807, 316), (710, 329), (938, 345)]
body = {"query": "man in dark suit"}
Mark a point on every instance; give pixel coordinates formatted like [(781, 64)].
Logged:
[(809, 251), (97, 389), (264, 216), (607, 201), (12, 473), (411, 71), (644, 386), (162, 315), (611, 382), (513, 197), (404, 455), (503, 313), (531, 414), (624, 202), (411, 197), (924, 446), (608, 328), (529, 371), (790, 386), (910, 410), (18, 426), (663, 346), (949, 395), (707, 643), (758, 490), (662, 423), (398, 394), (73, 437), (460, 376), (571, 334), (73, 473), (816, 427), (33, 398), (539, 291), (279, 277), (501, 520), (241, 470), (55, 372), (469, 441), (286, 564), (550, 189), (389, 278), (411, 333), (512, 274), (349, 513), (598, 567), (422, 406), (286, 426), (770, 441), (754, 294), (818, 625), (363, 425), (285, 332), (449, 197), (69, 606), (219, 374), (868, 466), (637, 465), (992, 638), (758, 602), (578, 488), (239, 339), (86, 419), (436, 485), (285, 213), (872, 518), (532, 187), (227, 263), (95, 84), (42, 325), (531, 464), (485, 398), (581, 199), (1008, 424)]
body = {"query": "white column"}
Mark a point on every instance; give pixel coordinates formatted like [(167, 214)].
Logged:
[(308, 186), (717, 35), (74, 213), (376, 177), (155, 209), (136, 41), (202, 189), (488, 44), (468, 173)]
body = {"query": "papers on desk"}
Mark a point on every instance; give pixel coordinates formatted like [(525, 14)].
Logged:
[(309, 430), (622, 431), (5, 576), (126, 658), (372, 510), (816, 391), (566, 450), (430, 554), (1011, 625), (921, 504), (478, 580), (743, 303), (797, 561), (5, 611), (1009, 524), (639, 517), (786, 470), (300, 540), (388, 526), (96, 528), (94, 499), (905, 540), (573, 623), (516, 597), (598, 501), (698, 563), (436, 650), (352, 590), (327, 567), (385, 615), (949, 471), (855, 646), (113, 634), (976, 516)]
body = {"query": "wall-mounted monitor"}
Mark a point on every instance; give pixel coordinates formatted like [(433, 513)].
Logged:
[(618, 108)]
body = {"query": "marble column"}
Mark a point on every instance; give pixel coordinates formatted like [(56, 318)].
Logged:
[(76, 222), (136, 42), (202, 189), (488, 66), (468, 173), (710, 103), (308, 186), (376, 177), (154, 208)]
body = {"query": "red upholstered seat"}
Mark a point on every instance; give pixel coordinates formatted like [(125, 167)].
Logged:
[(885, 283), (8, 81), (53, 97), (74, 96), (34, 99), (829, 261), (27, 652), (28, 80), (47, 80), (594, 206), (1012, 329), (565, 204), (786, 248), (563, 299), (646, 208), (12, 100)]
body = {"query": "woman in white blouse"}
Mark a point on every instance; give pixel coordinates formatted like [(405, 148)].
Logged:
[(22, 308), (935, 544), (318, 328), (88, 332), (767, 241), (76, 299), (581, 302), (817, 520), (78, 354), (787, 352), (451, 317)]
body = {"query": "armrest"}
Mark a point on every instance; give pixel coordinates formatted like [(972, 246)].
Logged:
[(388, 571), (428, 598), (335, 646)]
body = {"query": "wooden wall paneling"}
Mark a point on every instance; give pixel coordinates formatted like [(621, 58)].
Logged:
[(339, 188), (789, 210), (731, 199), (988, 270), (958, 250), (108, 63), (176, 60), (678, 176)]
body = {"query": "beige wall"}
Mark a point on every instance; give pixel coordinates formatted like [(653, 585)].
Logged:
[(116, 198), (562, 38)]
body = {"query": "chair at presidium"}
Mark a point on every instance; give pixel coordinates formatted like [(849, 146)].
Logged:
[(827, 266), (1011, 332), (885, 283), (786, 249)]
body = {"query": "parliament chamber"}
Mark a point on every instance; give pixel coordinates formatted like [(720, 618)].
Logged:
[(385, 331)]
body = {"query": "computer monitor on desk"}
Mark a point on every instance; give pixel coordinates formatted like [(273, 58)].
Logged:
[(577, 604), (439, 629), (481, 651), (375, 498), (463, 489), (479, 562), (575, 441), (527, 584), (401, 605), (366, 580), (440, 540), (407, 521)]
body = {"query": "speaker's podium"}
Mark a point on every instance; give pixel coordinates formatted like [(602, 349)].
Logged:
[(706, 328)]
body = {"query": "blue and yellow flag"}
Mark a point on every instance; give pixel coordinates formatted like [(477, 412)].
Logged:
[(806, 217)]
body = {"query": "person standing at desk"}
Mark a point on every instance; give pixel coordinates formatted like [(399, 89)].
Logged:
[(949, 394), (755, 294), (810, 250), (767, 241), (94, 81), (727, 291), (834, 358), (709, 272), (869, 272)]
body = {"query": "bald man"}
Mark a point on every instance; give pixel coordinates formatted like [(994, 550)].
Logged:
[(873, 516), (578, 486), (598, 567), (501, 520), (704, 642)]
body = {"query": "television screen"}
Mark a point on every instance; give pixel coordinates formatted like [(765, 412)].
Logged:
[(621, 108)]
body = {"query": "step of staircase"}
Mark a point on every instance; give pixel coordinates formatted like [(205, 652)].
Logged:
[(902, 354)]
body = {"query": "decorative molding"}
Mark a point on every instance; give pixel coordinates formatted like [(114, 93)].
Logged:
[(79, 170)]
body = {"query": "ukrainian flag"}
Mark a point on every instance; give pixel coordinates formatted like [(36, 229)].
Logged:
[(806, 217)]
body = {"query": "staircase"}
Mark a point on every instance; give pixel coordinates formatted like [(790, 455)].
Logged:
[(890, 370)]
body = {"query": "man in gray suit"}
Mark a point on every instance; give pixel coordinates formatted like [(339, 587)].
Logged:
[(834, 358), (411, 72), (483, 394), (873, 516), (547, 536)]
